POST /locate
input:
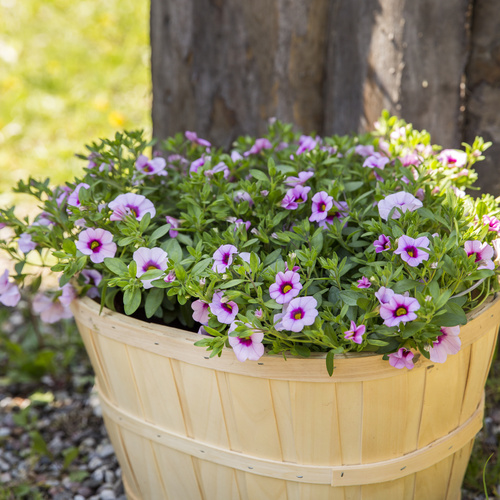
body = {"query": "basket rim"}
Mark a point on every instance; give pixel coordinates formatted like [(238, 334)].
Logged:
[(177, 344)]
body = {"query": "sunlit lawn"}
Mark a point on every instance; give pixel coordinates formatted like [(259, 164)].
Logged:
[(70, 72)]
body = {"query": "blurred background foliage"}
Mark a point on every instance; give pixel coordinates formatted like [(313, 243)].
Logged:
[(70, 72)]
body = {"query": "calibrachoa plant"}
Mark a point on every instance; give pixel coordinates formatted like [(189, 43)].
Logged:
[(286, 244)]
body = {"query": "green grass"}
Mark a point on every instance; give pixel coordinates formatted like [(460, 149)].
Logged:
[(70, 72)]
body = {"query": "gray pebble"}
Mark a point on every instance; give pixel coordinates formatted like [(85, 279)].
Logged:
[(94, 463), (107, 495), (98, 475), (105, 451), (4, 432), (4, 466), (5, 478), (109, 477), (78, 497)]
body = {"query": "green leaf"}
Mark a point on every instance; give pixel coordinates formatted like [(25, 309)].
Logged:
[(69, 246), (254, 262), (70, 454), (145, 222), (411, 328), (173, 249), (230, 284), (317, 241), (334, 295), (330, 356), (131, 300), (38, 444), (199, 267), (349, 297), (453, 316), (161, 231), (153, 301), (404, 285), (116, 266), (132, 269), (152, 274), (259, 175), (272, 257)]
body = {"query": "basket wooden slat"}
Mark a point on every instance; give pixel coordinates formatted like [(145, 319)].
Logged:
[(185, 426)]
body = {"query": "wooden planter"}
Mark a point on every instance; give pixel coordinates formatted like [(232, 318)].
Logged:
[(186, 427)]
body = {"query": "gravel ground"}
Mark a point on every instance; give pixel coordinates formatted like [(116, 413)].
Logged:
[(73, 460)]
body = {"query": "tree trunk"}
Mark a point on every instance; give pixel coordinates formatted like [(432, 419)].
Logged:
[(223, 67), (482, 116)]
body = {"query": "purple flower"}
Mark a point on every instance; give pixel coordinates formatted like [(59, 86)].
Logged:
[(68, 294), (259, 145), (148, 259), (364, 150), (301, 179), (170, 277), (492, 222), (452, 158), (402, 359), (236, 156), (60, 193), (259, 313), (223, 258), (98, 243), (483, 253), (50, 310), (131, 204), (151, 167), (174, 224), (300, 312), (295, 196), (340, 211), (321, 204), (355, 333), (239, 222), (403, 201), (399, 309), (286, 287), (220, 167), (224, 310), (246, 347), (306, 143), (25, 243), (200, 311), (376, 161), (91, 276), (193, 137), (364, 282), (242, 196), (384, 294), (195, 165), (447, 343), (382, 243), (42, 220), (411, 250), (9, 292), (73, 198), (410, 159)]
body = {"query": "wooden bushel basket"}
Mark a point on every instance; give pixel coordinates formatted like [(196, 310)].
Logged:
[(186, 427)]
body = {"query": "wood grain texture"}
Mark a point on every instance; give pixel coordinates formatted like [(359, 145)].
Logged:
[(183, 427)]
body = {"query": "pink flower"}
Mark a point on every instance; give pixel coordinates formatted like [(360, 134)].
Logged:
[(170, 277), (447, 343), (9, 292), (483, 253), (243, 196), (376, 161), (411, 250), (295, 196), (151, 167), (259, 145), (174, 224), (382, 243), (364, 282), (131, 204), (364, 150), (300, 312), (73, 198), (25, 243), (286, 287), (492, 222), (224, 310), (452, 158), (68, 295), (236, 156), (355, 333), (195, 165), (91, 276), (402, 359), (301, 179), (306, 143), (98, 243), (340, 211), (321, 204), (193, 137), (399, 309), (148, 259), (245, 348), (384, 294), (410, 159), (403, 201), (50, 310), (223, 257), (220, 167), (200, 311)]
